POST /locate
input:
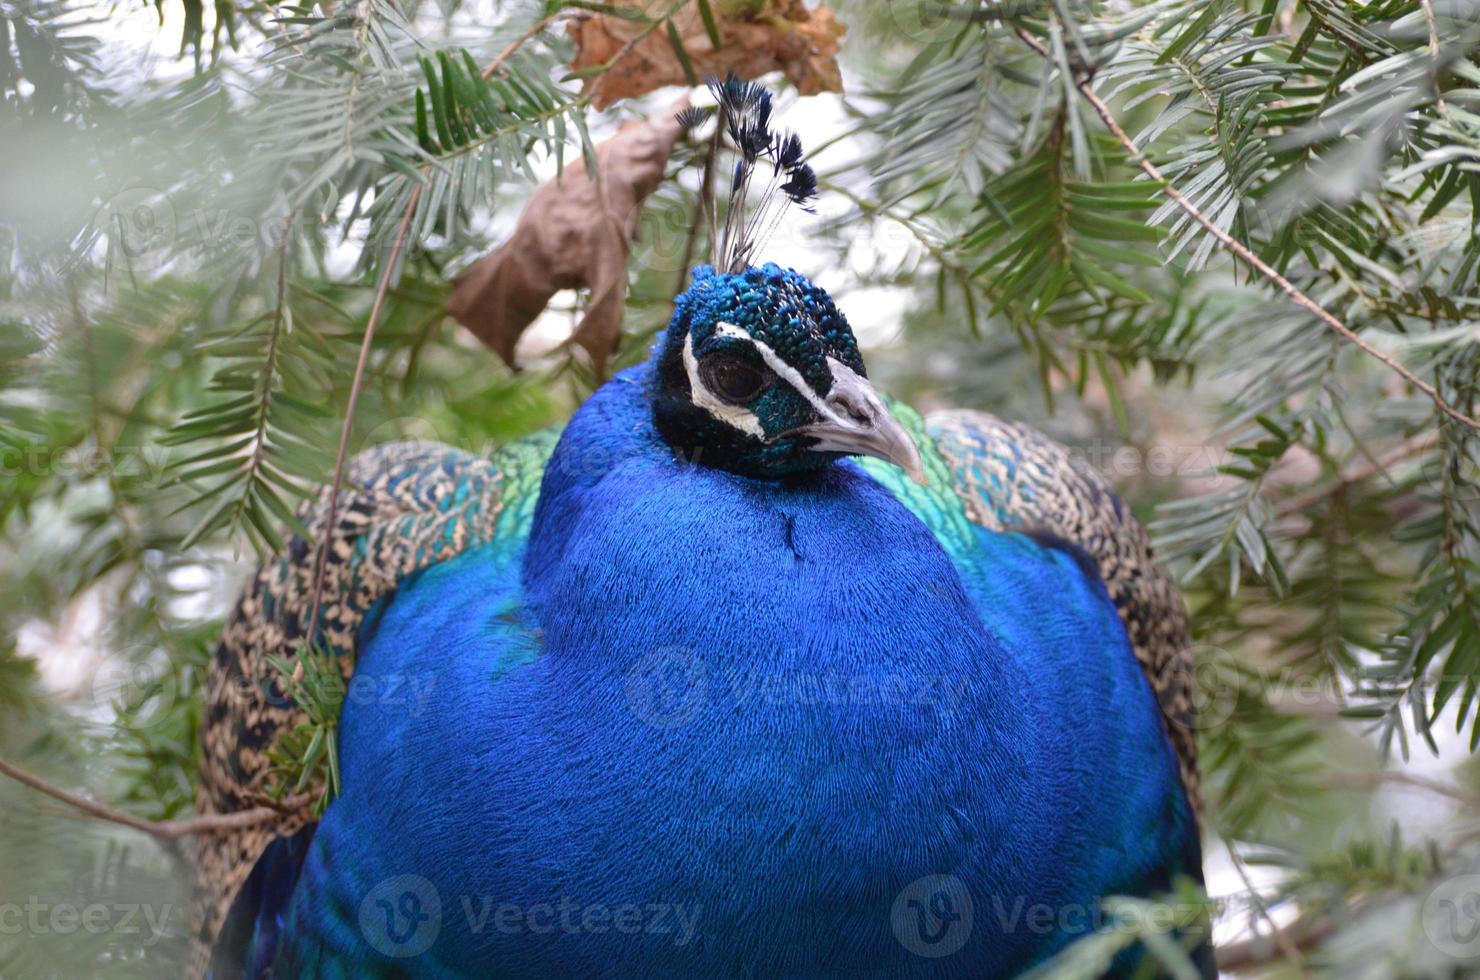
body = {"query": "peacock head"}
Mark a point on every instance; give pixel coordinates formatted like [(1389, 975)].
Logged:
[(760, 375)]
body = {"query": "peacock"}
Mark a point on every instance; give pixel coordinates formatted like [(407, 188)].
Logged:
[(749, 671)]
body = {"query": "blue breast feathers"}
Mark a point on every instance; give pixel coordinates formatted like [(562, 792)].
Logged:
[(704, 725)]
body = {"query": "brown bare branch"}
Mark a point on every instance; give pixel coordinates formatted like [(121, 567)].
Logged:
[(164, 829), (349, 410), (1373, 778), (1357, 474), (1286, 945), (518, 42), (1260, 951)]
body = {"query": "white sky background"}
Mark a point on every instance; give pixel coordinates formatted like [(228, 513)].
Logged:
[(139, 47)]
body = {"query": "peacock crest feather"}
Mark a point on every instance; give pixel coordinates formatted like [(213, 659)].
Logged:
[(754, 206)]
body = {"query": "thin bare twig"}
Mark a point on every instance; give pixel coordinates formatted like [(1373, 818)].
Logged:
[(1371, 779), (1276, 934), (640, 36), (332, 510), (358, 382), (169, 830), (356, 385), (1263, 950), (1239, 249), (703, 209), (1363, 471), (1428, 13), (518, 42)]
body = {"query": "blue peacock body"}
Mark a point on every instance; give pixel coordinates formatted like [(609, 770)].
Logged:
[(748, 673)]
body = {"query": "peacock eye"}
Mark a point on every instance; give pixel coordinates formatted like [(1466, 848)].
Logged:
[(733, 380)]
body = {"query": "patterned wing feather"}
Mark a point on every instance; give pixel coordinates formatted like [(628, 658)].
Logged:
[(1010, 477), (404, 506)]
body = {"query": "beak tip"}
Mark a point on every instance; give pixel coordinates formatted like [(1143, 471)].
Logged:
[(866, 428), (909, 461)]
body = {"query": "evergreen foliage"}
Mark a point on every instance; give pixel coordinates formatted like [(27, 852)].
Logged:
[(190, 260)]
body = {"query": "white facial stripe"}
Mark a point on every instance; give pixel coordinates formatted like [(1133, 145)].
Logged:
[(732, 415), (742, 418), (783, 370)]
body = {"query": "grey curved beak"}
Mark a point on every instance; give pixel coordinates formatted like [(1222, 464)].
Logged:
[(858, 424)]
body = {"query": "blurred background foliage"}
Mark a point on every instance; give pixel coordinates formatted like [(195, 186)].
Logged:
[(195, 212)]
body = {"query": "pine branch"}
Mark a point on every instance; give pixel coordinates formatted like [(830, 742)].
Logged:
[(1084, 85)]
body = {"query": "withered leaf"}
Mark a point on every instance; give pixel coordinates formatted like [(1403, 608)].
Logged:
[(573, 233), (756, 37)]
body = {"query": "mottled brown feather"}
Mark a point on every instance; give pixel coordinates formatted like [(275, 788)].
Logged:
[(405, 506), (1010, 477)]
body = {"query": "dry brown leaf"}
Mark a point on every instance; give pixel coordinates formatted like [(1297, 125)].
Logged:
[(573, 233), (771, 35)]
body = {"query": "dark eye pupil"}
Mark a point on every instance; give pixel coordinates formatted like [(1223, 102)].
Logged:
[(734, 380)]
